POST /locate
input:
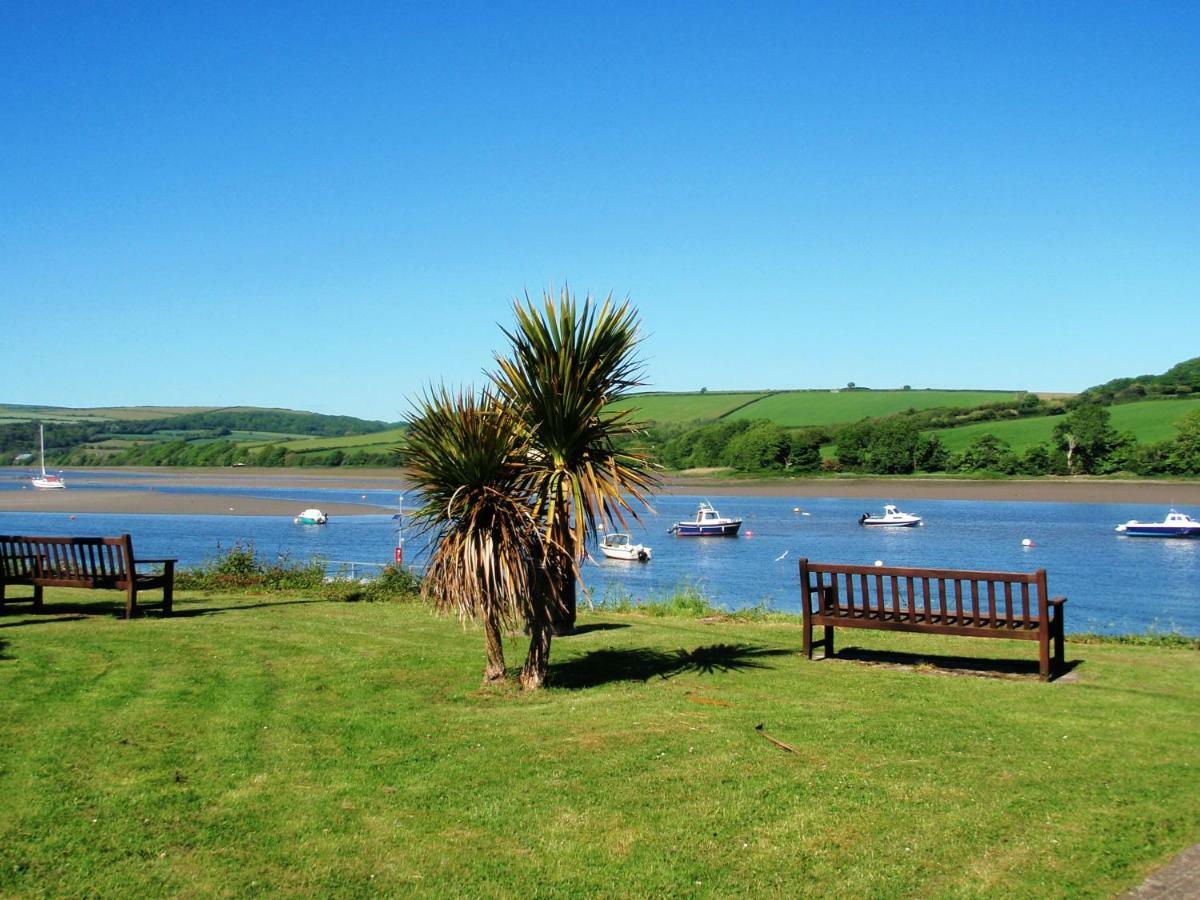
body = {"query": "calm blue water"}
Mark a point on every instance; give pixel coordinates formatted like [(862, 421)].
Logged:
[(1115, 584)]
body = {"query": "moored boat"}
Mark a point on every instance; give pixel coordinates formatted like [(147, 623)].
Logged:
[(707, 523), (616, 545), (891, 516), (46, 482), (311, 517), (1176, 524)]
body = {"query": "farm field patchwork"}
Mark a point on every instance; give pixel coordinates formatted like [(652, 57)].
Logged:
[(793, 409), (690, 407)]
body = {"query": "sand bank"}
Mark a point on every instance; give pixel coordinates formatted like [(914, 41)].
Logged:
[(131, 490), (155, 502)]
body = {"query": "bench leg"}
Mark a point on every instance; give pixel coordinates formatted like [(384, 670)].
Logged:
[(168, 587), (1044, 654), (808, 639), (828, 641), (1060, 661), (37, 596), (130, 599)]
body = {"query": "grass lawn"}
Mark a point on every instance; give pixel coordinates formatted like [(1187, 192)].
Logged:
[(793, 409), (279, 746)]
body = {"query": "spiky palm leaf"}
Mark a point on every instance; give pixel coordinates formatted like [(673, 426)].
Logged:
[(567, 365)]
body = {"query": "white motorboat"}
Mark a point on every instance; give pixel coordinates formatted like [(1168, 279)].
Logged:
[(615, 545), (891, 516), (708, 523), (311, 517), (46, 482), (1176, 524)]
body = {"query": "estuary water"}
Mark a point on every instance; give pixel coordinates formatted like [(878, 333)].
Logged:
[(1114, 584)]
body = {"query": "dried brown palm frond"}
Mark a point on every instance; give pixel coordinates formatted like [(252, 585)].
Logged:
[(466, 458)]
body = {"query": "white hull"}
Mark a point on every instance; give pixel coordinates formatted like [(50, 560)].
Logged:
[(891, 518), (617, 546)]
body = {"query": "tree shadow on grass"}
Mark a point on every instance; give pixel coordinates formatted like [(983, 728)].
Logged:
[(951, 665), (597, 626), (599, 667)]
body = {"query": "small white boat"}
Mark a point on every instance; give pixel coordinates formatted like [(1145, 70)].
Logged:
[(1176, 524), (618, 546), (708, 523), (891, 516), (311, 517), (46, 482)]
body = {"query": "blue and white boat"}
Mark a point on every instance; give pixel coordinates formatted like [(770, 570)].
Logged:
[(708, 523), (892, 517), (1176, 524)]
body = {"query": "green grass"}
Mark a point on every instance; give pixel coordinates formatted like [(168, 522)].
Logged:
[(689, 407), (1149, 420), (793, 409), (272, 746)]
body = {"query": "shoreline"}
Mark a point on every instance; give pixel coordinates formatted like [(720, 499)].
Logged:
[(109, 494)]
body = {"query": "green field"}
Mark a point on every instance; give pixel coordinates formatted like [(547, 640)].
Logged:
[(1149, 421), (278, 746), (692, 407), (793, 409), (379, 440)]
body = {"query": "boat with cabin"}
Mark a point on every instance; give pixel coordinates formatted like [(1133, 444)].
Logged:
[(616, 545), (46, 481), (892, 517), (707, 523), (1176, 524), (311, 517)]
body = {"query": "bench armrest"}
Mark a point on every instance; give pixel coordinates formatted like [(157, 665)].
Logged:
[(1057, 601), (171, 560)]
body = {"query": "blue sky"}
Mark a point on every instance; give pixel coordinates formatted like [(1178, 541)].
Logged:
[(327, 206)]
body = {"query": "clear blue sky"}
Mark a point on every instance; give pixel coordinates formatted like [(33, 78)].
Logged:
[(327, 206)]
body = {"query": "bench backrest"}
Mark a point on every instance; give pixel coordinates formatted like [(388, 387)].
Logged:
[(888, 591), (67, 561)]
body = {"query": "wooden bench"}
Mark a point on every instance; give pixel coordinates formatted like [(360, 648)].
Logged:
[(80, 562), (1013, 605)]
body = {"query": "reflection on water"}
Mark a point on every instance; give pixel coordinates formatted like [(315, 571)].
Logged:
[(1114, 583)]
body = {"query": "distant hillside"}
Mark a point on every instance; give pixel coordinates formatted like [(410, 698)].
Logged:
[(1181, 378), (192, 436)]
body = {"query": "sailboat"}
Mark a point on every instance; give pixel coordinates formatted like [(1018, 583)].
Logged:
[(45, 482)]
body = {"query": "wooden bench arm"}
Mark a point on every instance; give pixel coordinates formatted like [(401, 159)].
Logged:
[(1057, 601), (170, 560)]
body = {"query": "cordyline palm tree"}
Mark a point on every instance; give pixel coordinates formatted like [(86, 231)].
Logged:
[(567, 364), (466, 459)]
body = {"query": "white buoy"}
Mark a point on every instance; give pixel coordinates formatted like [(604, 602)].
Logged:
[(1028, 543), (879, 562)]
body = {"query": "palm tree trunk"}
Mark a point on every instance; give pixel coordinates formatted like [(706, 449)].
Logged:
[(563, 619), (495, 671), (537, 663)]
